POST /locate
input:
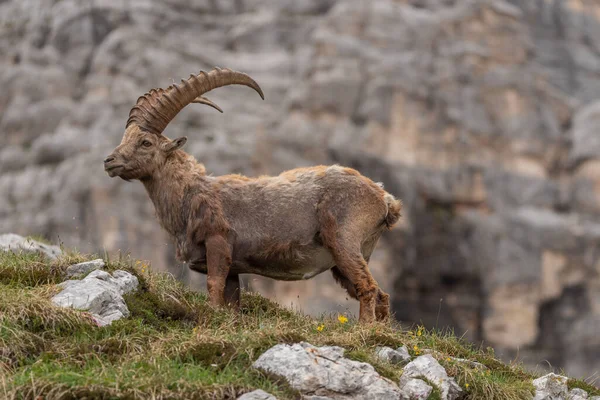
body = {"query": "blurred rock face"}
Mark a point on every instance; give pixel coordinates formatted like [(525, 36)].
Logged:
[(481, 115)]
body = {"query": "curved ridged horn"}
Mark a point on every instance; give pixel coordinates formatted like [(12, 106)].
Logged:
[(154, 110)]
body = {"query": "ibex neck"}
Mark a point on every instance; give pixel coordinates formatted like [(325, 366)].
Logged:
[(167, 188)]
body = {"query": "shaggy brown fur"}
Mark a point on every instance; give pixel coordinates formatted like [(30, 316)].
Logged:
[(288, 227)]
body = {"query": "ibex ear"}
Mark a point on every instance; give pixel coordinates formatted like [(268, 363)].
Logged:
[(175, 144)]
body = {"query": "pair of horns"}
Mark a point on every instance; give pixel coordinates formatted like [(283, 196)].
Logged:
[(154, 110)]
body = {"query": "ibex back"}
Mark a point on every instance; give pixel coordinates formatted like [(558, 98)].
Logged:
[(288, 227)]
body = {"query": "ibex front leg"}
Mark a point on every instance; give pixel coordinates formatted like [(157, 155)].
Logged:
[(218, 260)]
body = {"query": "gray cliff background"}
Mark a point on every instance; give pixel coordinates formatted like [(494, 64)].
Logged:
[(482, 116)]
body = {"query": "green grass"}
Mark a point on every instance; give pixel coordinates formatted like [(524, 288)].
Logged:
[(176, 346), (581, 384), (32, 269)]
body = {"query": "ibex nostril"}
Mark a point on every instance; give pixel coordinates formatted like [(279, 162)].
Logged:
[(108, 159)]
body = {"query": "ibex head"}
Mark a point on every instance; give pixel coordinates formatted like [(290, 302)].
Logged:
[(144, 149)]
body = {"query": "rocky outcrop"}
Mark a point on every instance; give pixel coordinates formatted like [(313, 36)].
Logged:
[(577, 394), (550, 387), (323, 371), (16, 243), (415, 389), (257, 395), (84, 268), (480, 114), (427, 367), (387, 354), (100, 293), (554, 387)]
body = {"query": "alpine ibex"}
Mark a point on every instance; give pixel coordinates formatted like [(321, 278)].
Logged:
[(287, 227)]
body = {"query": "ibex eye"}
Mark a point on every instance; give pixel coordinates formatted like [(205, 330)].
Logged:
[(146, 143)]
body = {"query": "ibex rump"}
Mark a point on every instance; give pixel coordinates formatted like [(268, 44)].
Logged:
[(288, 227)]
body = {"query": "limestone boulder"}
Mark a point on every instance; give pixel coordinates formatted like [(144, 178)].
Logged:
[(577, 394), (427, 367), (100, 293), (400, 355), (257, 395), (551, 387), (324, 371), (84, 268), (16, 243), (415, 389)]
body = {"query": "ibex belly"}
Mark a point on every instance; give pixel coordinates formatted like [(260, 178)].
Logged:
[(304, 263)]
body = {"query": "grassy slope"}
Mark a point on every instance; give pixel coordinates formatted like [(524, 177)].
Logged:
[(175, 346)]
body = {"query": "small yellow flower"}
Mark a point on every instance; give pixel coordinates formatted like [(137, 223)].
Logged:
[(448, 359), (420, 331), (467, 385), (320, 328), (342, 319), (416, 350), (143, 266)]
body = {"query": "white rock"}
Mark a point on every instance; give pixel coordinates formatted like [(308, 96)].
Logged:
[(125, 281), (426, 366), (415, 389), (470, 363), (323, 371), (99, 293), (84, 268), (550, 387), (577, 394), (16, 243), (404, 352), (257, 394), (392, 356), (464, 361)]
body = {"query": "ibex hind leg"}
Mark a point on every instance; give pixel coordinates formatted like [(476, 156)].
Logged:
[(352, 269), (382, 307), (344, 228), (382, 303)]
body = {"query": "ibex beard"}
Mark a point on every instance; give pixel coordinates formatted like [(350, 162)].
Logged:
[(288, 227)]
